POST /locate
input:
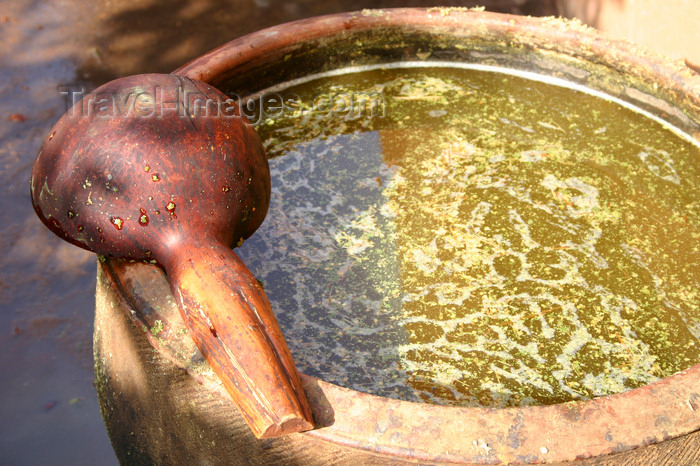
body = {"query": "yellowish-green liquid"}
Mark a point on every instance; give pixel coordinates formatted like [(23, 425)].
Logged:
[(489, 241)]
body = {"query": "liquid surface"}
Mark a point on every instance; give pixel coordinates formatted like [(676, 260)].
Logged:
[(478, 239)]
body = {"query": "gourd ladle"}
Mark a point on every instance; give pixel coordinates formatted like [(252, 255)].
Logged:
[(165, 169)]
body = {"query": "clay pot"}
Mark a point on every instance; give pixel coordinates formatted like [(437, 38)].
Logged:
[(160, 401)]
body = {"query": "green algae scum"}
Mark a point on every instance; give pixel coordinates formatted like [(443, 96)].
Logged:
[(472, 237)]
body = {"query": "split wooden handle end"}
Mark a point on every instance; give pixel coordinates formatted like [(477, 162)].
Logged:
[(231, 321)]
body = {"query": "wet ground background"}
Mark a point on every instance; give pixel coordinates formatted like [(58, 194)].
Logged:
[(48, 407)]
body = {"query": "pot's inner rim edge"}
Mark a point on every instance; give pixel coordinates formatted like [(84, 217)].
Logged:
[(530, 75)]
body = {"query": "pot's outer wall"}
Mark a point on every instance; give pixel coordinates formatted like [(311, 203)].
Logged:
[(172, 389)]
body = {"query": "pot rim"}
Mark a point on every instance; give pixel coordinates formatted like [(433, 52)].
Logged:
[(656, 412)]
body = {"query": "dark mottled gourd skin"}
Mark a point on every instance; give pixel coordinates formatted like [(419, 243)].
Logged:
[(106, 178), (162, 168)]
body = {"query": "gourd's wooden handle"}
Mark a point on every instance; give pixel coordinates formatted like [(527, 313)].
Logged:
[(230, 319)]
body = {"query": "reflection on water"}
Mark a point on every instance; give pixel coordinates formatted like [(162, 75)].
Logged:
[(335, 283), (491, 241)]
